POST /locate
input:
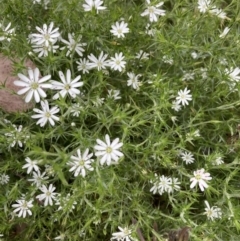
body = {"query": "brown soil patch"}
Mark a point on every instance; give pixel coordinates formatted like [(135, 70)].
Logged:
[(10, 101)]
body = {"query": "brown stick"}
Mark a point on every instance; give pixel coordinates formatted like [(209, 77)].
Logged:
[(140, 235)]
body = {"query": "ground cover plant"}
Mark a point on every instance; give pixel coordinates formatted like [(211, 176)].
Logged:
[(133, 128)]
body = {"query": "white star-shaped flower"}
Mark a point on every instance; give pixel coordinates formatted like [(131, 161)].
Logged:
[(183, 97), (89, 5), (68, 86), (46, 36), (153, 11), (119, 29), (108, 151), (33, 85), (46, 114), (200, 178), (117, 62), (48, 195), (80, 163), (22, 207), (100, 63)]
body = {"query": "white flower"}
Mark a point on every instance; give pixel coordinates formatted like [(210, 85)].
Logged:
[(194, 55), (150, 31), (123, 235), (43, 50), (49, 170), (108, 151), (224, 33), (119, 29), (38, 178), (114, 94), (212, 212), (31, 164), (65, 202), (142, 55), (80, 163), (4, 179), (162, 184), (33, 85), (46, 114), (6, 32), (174, 183), (167, 59), (73, 45), (68, 86), (219, 12), (117, 62), (223, 61), (188, 76), (176, 106), (192, 135), (218, 161), (204, 5), (187, 157), (174, 119), (133, 80), (153, 11), (196, 133), (23, 207), (100, 62), (48, 195), (46, 36), (204, 73), (17, 136), (75, 109), (98, 102), (183, 97), (90, 4), (83, 65), (200, 178), (233, 74)]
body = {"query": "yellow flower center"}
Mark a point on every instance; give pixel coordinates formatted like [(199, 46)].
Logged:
[(109, 150), (34, 85)]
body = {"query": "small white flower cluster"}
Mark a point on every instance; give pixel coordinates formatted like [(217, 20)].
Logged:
[(32, 166), (23, 207), (162, 184), (33, 86), (207, 6), (17, 135), (65, 202), (107, 151), (44, 41)]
